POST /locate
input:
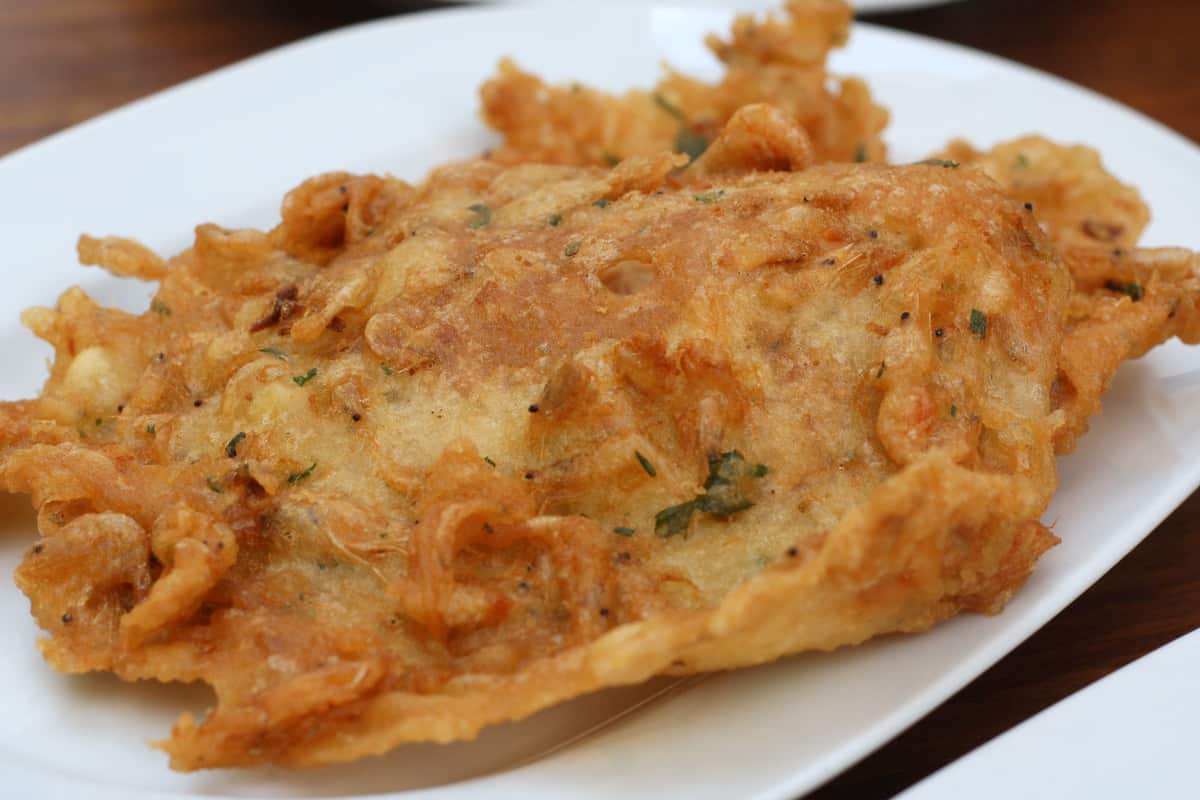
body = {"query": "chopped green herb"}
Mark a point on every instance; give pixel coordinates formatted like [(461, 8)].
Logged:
[(150, 429), (386, 369), (571, 249), (231, 448), (624, 531), (646, 465), (487, 526), (691, 143), (669, 107), (711, 196), (882, 367), (554, 220), (978, 323), (1022, 161), (723, 493), (300, 380), (953, 410), (860, 152), (611, 160), (488, 459), (722, 490), (212, 484), (939, 162), (674, 519), (483, 215), (602, 203), (271, 351), (1134, 290), (296, 477), (160, 308)]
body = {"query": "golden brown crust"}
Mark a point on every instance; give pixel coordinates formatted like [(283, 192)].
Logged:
[(775, 61), (393, 470)]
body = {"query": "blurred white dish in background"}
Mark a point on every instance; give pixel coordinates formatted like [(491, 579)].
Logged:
[(1127, 735)]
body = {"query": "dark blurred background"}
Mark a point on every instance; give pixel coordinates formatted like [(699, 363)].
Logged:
[(63, 62)]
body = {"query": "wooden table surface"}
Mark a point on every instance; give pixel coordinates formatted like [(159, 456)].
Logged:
[(63, 62)]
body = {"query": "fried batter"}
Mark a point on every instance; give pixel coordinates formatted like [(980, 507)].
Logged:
[(1126, 300), (424, 459), (776, 61)]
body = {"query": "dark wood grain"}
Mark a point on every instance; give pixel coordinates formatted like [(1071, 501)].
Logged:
[(63, 62)]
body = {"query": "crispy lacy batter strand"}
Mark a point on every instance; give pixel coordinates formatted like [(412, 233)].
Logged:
[(1125, 303), (775, 61), (430, 458), (1066, 186), (123, 257), (1126, 300)]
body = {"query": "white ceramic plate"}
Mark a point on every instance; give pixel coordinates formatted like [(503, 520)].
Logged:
[(399, 96), (1131, 734)]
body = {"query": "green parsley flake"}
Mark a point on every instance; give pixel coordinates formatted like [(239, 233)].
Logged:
[(571, 249), (296, 477), (483, 215), (646, 465), (160, 308), (723, 490), (611, 160), (939, 162), (879, 372), (300, 380), (602, 203), (624, 531), (488, 459), (953, 410), (554, 220), (271, 351), (978, 323), (711, 196), (1134, 290), (150, 429), (723, 494), (860, 152), (674, 519), (691, 143), (212, 484), (231, 448)]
